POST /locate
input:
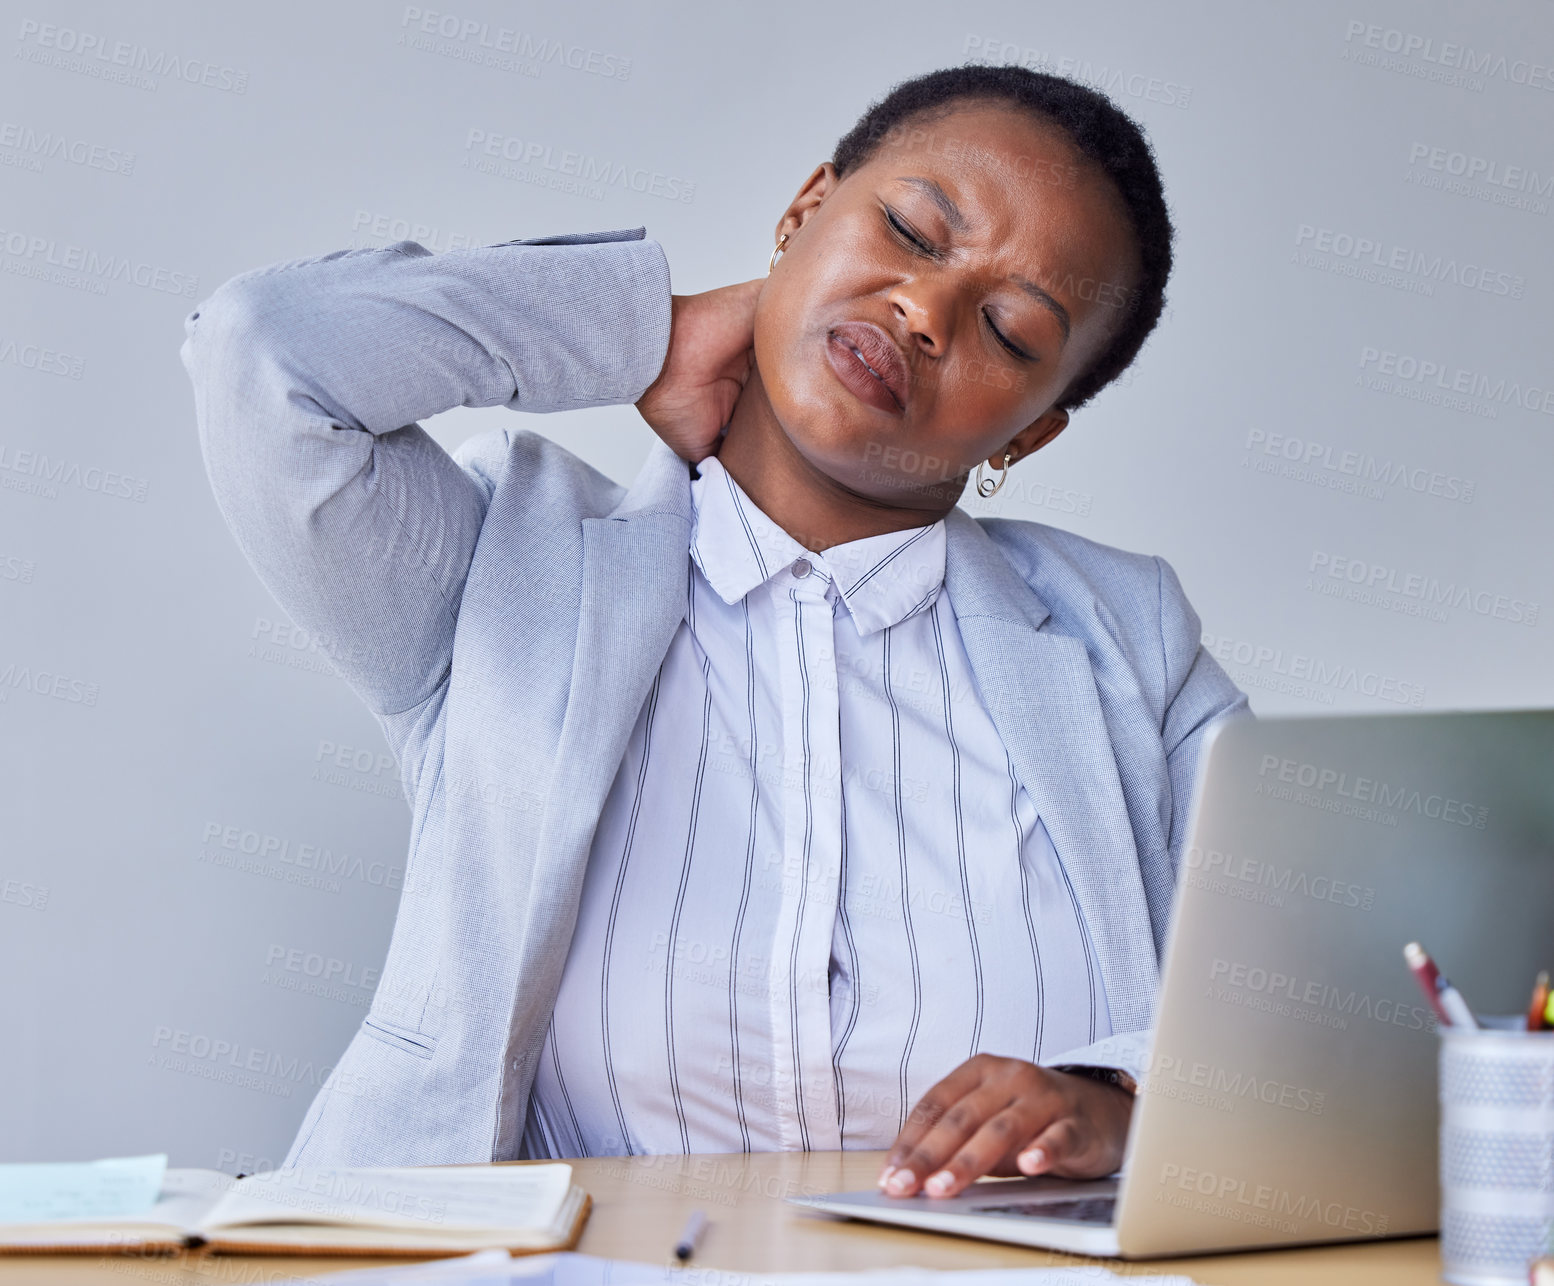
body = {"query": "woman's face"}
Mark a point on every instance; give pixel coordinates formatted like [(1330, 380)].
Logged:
[(930, 308)]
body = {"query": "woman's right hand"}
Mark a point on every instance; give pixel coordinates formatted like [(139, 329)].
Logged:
[(711, 354)]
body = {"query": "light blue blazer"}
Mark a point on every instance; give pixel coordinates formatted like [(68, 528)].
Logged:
[(503, 611)]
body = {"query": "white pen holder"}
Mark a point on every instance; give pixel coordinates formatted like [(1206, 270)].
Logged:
[(1497, 1151)]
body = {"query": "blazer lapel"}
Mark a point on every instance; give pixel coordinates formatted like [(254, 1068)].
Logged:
[(635, 570), (633, 593), (1040, 690)]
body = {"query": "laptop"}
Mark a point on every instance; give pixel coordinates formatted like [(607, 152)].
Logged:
[(1291, 1092)]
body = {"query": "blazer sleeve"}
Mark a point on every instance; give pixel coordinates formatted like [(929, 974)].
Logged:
[(309, 377), (1198, 695)]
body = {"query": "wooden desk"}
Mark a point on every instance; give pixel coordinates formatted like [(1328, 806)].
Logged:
[(641, 1203)]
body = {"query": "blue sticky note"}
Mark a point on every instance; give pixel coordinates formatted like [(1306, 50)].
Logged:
[(36, 1192)]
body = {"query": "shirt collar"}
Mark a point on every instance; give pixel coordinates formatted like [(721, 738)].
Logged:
[(882, 579)]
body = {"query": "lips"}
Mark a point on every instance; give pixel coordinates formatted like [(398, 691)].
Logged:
[(869, 346)]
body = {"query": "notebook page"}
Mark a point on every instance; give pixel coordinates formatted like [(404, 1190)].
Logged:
[(428, 1198), (187, 1196)]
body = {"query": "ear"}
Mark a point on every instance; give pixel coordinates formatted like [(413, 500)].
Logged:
[(1033, 436), (816, 188)]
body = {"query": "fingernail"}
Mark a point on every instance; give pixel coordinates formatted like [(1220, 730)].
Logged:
[(1030, 1160), (899, 1182), (939, 1184), (885, 1175)]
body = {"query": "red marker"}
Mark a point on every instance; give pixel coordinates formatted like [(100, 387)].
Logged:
[(1445, 999), (1536, 1011)]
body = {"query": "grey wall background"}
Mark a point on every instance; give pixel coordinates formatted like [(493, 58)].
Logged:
[(1340, 436)]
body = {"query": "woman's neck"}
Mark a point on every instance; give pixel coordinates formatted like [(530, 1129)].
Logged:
[(816, 510)]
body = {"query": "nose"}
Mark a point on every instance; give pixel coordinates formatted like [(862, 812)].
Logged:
[(925, 308)]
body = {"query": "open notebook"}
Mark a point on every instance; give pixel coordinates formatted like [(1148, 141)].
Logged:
[(410, 1211)]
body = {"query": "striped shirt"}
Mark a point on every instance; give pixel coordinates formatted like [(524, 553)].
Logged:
[(817, 885)]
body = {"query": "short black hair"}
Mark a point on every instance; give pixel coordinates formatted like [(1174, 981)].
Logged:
[(1098, 129)]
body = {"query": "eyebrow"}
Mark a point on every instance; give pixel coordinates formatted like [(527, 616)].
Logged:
[(1047, 302), (940, 198), (957, 221)]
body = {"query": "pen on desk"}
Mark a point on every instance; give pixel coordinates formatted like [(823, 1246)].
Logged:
[(1445, 999), (690, 1235), (1540, 1002)]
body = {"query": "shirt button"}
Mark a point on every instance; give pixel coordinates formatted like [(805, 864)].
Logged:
[(801, 568)]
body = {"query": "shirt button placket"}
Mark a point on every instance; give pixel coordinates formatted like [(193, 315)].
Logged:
[(812, 852)]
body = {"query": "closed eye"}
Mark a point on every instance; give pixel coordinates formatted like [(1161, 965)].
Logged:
[(999, 336), (905, 232)]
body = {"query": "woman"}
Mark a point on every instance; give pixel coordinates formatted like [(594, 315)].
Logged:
[(773, 802)]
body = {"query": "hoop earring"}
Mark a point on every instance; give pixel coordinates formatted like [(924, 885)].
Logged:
[(986, 487), (772, 262)]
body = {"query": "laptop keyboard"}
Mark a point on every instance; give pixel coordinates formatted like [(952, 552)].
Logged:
[(1101, 1210)]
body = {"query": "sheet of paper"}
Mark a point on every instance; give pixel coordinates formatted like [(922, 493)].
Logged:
[(35, 1192), (185, 1197), (496, 1268), (443, 1198)]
